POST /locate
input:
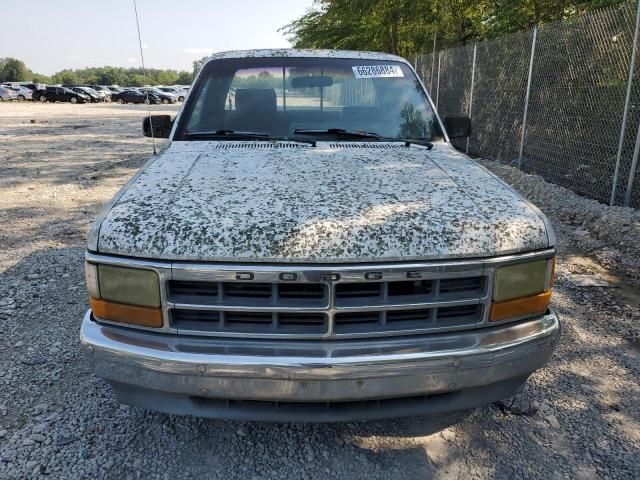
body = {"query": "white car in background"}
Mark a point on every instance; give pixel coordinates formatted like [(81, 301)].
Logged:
[(7, 94), (22, 93), (179, 93)]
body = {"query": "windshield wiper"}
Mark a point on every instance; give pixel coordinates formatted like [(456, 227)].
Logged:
[(229, 134), (342, 133), (240, 135), (337, 132)]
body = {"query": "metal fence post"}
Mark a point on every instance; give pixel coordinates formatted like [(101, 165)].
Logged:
[(526, 98), (473, 76), (623, 126), (433, 64), (632, 170), (438, 90)]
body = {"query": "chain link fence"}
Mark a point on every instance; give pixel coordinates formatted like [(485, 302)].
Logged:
[(551, 101)]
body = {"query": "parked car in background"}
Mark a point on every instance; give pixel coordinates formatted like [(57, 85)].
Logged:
[(179, 94), (22, 93), (29, 85), (7, 94), (32, 86), (134, 96), (60, 94), (299, 261), (165, 97), (115, 89), (102, 90), (94, 96)]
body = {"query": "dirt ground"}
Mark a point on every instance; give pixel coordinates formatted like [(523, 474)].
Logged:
[(577, 418)]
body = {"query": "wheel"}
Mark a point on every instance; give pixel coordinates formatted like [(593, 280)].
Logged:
[(120, 101), (43, 99), (165, 101), (73, 100), (181, 99), (21, 98), (147, 101)]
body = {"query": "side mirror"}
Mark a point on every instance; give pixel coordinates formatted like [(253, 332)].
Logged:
[(458, 127), (162, 125)]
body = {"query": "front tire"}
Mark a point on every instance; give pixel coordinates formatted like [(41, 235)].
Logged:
[(165, 101), (147, 101), (43, 99), (21, 98), (120, 101), (73, 100)]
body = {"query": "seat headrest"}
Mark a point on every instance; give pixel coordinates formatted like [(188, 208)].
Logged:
[(256, 100)]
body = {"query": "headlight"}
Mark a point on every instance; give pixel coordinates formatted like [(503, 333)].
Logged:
[(129, 285), (127, 295), (522, 289)]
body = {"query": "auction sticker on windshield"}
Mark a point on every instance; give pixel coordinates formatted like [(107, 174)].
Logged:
[(377, 71)]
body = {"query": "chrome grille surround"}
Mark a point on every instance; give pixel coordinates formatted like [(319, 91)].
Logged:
[(322, 301)]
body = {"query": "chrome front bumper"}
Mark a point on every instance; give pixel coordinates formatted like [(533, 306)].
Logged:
[(318, 380)]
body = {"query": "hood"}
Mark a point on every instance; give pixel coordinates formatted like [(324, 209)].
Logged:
[(291, 202)]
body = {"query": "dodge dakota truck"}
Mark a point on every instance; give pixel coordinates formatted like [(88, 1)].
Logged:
[(309, 246)]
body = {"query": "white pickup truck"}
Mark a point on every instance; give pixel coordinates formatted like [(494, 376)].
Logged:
[(310, 247)]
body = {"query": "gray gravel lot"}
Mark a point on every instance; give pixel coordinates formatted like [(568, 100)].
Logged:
[(581, 414)]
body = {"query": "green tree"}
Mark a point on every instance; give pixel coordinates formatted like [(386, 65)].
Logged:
[(184, 78), (406, 27), (109, 76), (197, 65), (65, 77), (13, 70), (135, 80)]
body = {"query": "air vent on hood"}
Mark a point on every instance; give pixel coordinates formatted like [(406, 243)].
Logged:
[(380, 146), (259, 145)]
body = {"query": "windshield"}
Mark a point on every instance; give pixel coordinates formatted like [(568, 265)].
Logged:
[(293, 97)]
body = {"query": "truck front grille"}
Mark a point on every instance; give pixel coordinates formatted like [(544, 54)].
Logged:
[(319, 303)]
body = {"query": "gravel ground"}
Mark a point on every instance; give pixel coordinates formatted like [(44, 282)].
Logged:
[(578, 418)]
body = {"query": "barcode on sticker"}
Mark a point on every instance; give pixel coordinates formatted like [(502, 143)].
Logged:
[(377, 71)]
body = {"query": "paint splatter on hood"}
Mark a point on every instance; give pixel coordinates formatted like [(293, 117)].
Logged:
[(292, 202)]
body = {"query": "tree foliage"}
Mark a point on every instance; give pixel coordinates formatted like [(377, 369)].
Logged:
[(14, 70), (407, 27), (122, 76), (197, 65)]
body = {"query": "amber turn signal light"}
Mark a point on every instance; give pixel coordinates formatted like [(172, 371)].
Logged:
[(520, 306), (131, 314)]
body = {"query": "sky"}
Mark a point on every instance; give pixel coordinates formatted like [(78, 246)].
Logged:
[(50, 35)]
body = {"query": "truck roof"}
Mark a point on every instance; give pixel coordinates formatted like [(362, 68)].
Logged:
[(294, 52)]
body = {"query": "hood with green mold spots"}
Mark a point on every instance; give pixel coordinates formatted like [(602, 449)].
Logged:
[(332, 203)]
